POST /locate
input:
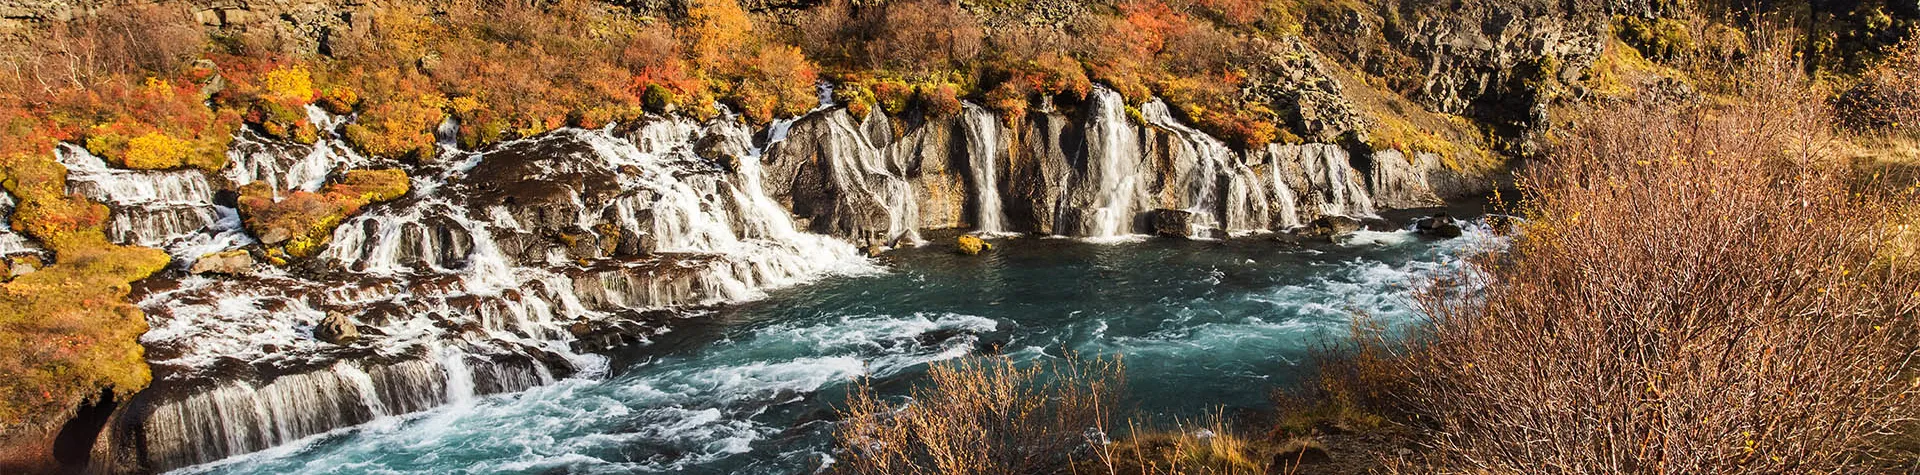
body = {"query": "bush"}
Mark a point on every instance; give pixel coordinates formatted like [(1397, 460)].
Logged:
[(1887, 97), (298, 224), (983, 416), (1695, 291)]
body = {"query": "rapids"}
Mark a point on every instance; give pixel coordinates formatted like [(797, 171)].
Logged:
[(751, 388)]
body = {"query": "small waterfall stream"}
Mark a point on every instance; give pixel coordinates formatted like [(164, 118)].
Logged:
[(1112, 174), (1218, 187), (983, 154), (12, 242), (150, 208)]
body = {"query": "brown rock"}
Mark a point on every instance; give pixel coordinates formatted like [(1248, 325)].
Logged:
[(276, 235), (234, 262), (1173, 223), (336, 329)]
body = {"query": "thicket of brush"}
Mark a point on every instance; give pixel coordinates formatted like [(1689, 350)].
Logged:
[(1698, 289)]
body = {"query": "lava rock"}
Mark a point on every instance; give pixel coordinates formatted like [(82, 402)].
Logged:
[(336, 329), (971, 245), (234, 262), (1441, 226), (1330, 226), (1173, 223)]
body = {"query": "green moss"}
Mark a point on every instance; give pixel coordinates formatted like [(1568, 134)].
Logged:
[(1663, 38), (658, 99)]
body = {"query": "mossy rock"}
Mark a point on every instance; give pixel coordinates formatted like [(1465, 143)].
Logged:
[(972, 245)]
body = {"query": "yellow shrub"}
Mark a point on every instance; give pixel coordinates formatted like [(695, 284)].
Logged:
[(156, 151), (289, 85)]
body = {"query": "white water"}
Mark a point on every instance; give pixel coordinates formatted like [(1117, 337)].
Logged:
[(465, 316), (1241, 207), (12, 242), (983, 155), (168, 208), (287, 166), (1113, 168)]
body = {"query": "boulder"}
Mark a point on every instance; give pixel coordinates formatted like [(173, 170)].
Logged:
[(234, 262), (1441, 226), (971, 245), (336, 329), (1173, 223), (275, 235), (1330, 226), (22, 265)]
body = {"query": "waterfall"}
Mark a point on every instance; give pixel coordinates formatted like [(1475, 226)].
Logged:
[(1333, 185), (1208, 164), (983, 150), (1112, 175), (12, 242), (150, 208), (477, 283), (239, 417), (288, 166), (1286, 207)]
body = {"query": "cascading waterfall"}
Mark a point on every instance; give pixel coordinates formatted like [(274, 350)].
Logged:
[(1336, 186), (1241, 207), (287, 166), (1112, 175), (1285, 206), (463, 291), (503, 265), (150, 208), (12, 242), (983, 153)]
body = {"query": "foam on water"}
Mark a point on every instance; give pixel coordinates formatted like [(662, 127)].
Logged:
[(1201, 324)]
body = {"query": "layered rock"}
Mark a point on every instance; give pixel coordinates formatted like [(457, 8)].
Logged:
[(1092, 172)]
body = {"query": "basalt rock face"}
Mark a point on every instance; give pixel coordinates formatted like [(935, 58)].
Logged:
[(1477, 58), (1095, 171)]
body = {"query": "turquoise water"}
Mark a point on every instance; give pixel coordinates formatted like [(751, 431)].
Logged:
[(1203, 326)]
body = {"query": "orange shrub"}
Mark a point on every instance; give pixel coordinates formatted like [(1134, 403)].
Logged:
[(301, 222)]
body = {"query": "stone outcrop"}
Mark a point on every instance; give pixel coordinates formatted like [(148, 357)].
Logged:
[(337, 329), (1092, 170), (1173, 223), (1441, 226), (234, 262)]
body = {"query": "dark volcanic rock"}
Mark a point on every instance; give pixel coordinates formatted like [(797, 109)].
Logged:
[(1440, 225), (1329, 226), (1174, 223)]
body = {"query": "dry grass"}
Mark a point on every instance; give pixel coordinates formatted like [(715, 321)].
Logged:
[(1698, 291), (1211, 448), (985, 416)]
